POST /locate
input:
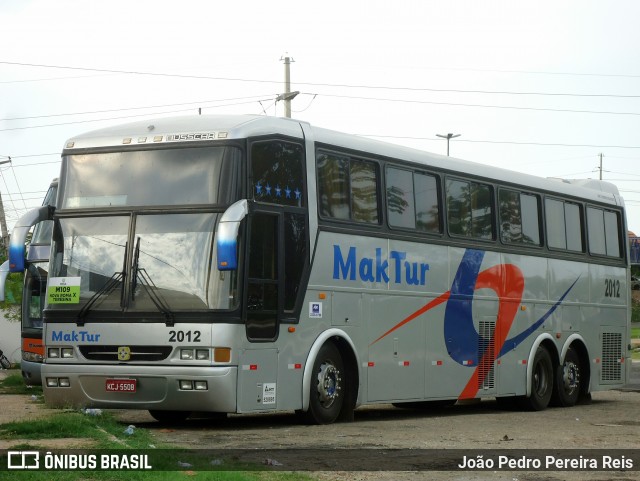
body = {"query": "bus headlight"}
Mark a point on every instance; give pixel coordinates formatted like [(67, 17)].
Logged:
[(53, 352), (186, 354), (202, 354), (67, 352), (31, 356)]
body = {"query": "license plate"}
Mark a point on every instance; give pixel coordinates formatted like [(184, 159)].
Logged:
[(121, 385)]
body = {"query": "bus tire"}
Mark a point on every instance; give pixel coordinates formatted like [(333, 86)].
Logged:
[(541, 381), (567, 381), (169, 417), (327, 390)]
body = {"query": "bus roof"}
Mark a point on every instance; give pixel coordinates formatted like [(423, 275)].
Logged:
[(199, 128)]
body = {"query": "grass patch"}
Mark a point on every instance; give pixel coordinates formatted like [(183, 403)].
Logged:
[(635, 310), (104, 432), (14, 384)]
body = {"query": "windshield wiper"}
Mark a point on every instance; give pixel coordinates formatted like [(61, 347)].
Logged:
[(149, 287), (105, 290)]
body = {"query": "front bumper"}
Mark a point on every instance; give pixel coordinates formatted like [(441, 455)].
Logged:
[(157, 387)]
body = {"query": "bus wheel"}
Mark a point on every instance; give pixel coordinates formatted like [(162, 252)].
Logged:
[(327, 386), (541, 381), (567, 386), (169, 417)]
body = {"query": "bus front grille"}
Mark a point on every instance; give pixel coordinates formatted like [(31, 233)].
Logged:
[(133, 353)]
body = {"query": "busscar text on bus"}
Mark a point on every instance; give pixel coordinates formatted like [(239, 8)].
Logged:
[(244, 264), (33, 292)]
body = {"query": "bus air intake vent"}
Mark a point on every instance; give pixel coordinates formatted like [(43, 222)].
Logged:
[(611, 356), (136, 353), (486, 355)]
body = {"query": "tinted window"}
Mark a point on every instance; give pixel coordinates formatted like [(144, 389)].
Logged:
[(400, 198), (333, 186), (603, 229), (519, 218), (469, 209), (564, 225), (427, 210), (295, 254), (262, 295), (412, 200), (612, 231), (556, 235), (574, 227), (364, 197), (347, 188), (595, 226), (277, 170)]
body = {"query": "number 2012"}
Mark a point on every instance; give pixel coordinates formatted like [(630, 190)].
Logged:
[(612, 288), (181, 336)]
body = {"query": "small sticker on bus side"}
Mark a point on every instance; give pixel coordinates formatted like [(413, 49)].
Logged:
[(315, 309), (269, 393)]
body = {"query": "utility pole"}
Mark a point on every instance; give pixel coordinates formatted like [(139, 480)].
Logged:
[(601, 155), (449, 136), (288, 95), (3, 220), (3, 226)]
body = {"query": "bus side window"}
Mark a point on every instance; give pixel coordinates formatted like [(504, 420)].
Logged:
[(564, 225), (348, 188), (603, 229), (277, 172), (469, 209), (519, 214)]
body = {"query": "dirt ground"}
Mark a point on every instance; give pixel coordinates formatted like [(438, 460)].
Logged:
[(610, 422)]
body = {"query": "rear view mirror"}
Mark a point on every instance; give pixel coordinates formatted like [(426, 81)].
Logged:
[(227, 235)]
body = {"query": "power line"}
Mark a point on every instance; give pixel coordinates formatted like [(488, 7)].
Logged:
[(38, 163), (359, 86), (544, 144), (50, 78), (457, 104), (116, 118), (255, 97)]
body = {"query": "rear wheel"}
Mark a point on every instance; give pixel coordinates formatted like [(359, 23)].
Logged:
[(327, 390), (567, 380), (541, 381), (169, 417)]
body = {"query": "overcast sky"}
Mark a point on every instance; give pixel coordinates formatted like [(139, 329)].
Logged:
[(539, 87)]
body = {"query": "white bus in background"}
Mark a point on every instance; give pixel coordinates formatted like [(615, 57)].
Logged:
[(243, 264)]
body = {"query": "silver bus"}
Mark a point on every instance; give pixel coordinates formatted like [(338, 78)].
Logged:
[(245, 264)]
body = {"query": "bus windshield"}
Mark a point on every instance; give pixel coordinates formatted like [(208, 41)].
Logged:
[(145, 260)]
